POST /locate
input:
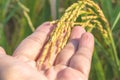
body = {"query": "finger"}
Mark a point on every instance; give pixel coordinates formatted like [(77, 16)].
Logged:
[(2, 51), (82, 59), (70, 48), (32, 45)]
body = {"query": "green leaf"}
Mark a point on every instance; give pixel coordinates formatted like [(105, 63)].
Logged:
[(57, 8), (3, 42), (107, 9), (99, 72), (116, 21)]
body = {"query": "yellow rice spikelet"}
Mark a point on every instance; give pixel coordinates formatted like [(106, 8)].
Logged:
[(90, 16)]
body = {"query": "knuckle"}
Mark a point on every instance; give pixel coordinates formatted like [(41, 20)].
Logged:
[(70, 47), (37, 39), (85, 53)]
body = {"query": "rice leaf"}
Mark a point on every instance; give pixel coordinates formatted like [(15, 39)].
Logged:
[(116, 21), (99, 72)]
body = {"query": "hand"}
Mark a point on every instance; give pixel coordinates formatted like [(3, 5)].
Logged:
[(73, 62)]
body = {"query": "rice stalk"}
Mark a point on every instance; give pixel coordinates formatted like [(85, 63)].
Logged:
[(91, 18), (25, 12)]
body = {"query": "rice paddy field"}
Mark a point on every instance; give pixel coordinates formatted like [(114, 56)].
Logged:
[(19, 18)]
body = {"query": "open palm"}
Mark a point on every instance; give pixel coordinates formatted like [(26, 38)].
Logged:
[(73, 62)]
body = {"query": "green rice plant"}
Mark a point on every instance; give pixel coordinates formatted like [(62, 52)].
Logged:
[(90, 17)]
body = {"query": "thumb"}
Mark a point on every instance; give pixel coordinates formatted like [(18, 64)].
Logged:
[(2, 51)]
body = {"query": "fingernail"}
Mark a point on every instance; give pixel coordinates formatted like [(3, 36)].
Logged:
[(87, 40)]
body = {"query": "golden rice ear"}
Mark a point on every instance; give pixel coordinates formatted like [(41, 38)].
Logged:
[(84, 13)]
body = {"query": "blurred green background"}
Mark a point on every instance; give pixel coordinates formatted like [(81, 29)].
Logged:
[(18, 17)]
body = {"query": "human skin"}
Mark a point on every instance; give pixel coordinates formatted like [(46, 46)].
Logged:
[(73, 62)]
